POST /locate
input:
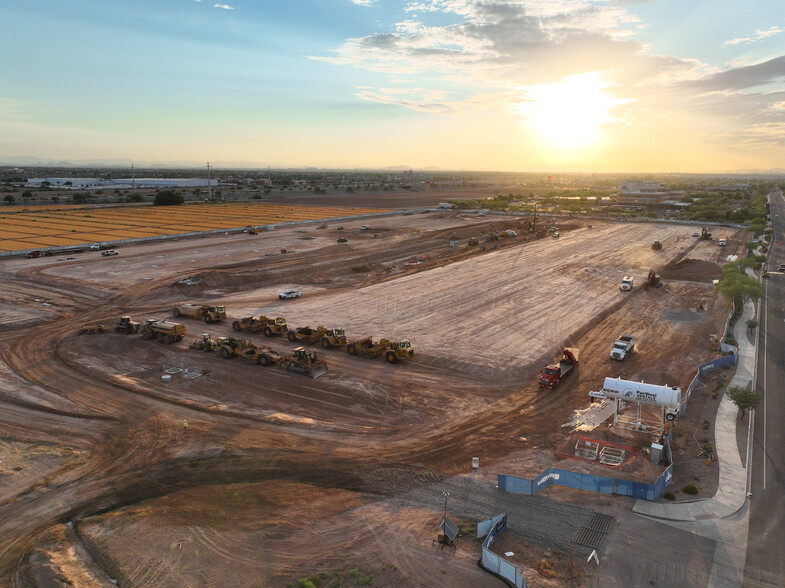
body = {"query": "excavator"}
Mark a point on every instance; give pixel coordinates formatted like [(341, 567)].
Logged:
[(705, 235), (653, 280)]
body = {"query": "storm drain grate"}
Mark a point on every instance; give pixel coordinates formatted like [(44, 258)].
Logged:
[(601, 522), (593, 535), (589, 538)]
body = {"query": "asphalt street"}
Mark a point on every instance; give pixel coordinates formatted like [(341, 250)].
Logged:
[(765, 564)]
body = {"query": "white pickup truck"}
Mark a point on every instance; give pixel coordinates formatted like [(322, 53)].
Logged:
[(622, 346)]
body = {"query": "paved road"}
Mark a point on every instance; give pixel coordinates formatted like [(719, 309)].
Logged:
[(765, 564)]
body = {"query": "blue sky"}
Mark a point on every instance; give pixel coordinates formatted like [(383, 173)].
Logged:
[(531, 85)]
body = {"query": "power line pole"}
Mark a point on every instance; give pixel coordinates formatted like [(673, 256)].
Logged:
[(209, 184)]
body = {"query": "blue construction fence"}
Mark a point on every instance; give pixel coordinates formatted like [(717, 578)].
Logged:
[(590, 482), (491, 562)]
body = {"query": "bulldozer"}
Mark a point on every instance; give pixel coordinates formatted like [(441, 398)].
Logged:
[(653, 280), (656, 246), (210, 314), (305, 363), (126, 326), (276, 326), (333, 338), (91, 329), (306, 334), (207, 343), (392, 350), (165, 331), (249, 324)]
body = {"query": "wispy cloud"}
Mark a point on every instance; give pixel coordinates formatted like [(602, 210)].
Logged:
[(364, 2), (224, 6), (755, 38), (493, 47)]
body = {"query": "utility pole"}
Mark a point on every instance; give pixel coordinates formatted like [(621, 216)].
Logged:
[(446, 494), (133, 179), (209, 185)]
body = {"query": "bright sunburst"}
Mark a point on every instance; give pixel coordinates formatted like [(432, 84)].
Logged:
[(569, 114)]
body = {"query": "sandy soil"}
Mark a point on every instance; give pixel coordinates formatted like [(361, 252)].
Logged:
[(280, 477)]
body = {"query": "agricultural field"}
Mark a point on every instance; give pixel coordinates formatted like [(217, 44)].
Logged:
[(344, 479), (52, 226)]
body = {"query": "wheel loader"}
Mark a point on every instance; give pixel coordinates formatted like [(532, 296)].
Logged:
[(210, 314), (306, 334), (333, 338), (276, 326), (165, 331), (392, 350), (207, 343), (249, 324), (251, 230), (126, 326)]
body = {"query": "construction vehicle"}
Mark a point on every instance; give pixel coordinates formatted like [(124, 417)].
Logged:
[(91, 329), (276, 326), (653, 280), (126, 326), (207, 343), (626, 283), (552, 374), (299, 361), (306, 334), (322, 226), (245, 348), (622, 346), (656, 246), (251, 230), (210, 314), (249, 324), (333, 338), (473, 241), (165, 331), (392, 350), (705, 235)]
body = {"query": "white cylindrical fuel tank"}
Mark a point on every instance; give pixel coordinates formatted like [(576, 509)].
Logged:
[(667, 396)]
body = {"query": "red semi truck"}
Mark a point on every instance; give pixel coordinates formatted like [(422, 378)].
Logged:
[(552, 374)]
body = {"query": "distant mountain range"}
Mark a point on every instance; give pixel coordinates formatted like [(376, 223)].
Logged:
[(33, 161)]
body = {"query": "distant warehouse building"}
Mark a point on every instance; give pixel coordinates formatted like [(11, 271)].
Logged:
[(647, 194)]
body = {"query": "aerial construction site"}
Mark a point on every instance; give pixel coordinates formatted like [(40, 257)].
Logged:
[(180, 459)]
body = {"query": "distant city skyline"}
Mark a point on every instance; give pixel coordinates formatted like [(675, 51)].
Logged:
[(498, 85)]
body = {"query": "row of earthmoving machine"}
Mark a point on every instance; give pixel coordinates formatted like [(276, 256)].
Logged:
[(393, 351), (299, 360)]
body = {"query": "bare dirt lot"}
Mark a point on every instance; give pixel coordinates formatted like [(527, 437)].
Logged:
[(338, 479)]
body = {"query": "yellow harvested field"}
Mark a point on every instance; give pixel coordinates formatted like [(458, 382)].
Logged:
[(29, 228)]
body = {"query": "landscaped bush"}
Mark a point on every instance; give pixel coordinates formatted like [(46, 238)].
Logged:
[(669, 495), (690, 489)]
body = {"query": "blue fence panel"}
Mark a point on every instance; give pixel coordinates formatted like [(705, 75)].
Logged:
[(514, 485), (542, 481), (623, 487), (718, 363), (507, 570)]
